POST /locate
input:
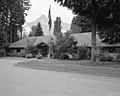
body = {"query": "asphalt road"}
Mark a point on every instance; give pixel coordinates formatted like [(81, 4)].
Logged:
[(17, 81)]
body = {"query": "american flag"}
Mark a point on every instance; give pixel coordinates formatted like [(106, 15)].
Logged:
[(49, 17)]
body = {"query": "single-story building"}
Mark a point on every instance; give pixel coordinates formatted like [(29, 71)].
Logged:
[(18, 47), (83, 39)]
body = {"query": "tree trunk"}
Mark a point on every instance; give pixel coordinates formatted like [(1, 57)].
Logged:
[(21, 35), (11, 34), (6, 41), (93, 42)]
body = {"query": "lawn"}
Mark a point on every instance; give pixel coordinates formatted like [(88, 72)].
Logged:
[(85, 67)]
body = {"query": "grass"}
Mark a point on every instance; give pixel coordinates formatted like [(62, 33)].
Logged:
[(55, 62), (85, 67)]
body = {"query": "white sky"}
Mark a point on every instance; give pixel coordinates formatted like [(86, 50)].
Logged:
[(42, 6)]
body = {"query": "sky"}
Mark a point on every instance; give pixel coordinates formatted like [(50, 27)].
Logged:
[(40, 7)]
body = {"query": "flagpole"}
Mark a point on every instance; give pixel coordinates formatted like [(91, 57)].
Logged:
[(50, 25), (49, 52)]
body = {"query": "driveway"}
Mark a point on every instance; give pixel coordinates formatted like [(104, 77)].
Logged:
[(17, 81)]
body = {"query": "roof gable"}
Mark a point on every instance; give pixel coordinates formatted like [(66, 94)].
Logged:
[(31, 41), (84, 39)]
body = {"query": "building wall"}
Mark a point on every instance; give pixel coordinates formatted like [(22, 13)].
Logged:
[(109, 52), (16, 52)]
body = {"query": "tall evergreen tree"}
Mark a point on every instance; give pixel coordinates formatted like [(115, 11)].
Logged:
[(97, 11), (57, 26), (39, 31), (12, 15), (80, 24)]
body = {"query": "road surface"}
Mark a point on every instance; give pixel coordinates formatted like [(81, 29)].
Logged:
[(17, 81)]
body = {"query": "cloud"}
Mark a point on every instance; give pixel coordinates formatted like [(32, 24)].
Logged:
[(42, 6)]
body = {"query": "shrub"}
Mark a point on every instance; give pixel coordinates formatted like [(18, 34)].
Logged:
[(31, 49), (60, 56), (76, 56), (83, 53), (109, 58), (1, 53), (65, 44), (56, 55), (104, 58), (63, 56), (118, 56)]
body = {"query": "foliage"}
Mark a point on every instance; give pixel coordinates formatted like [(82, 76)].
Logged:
[(65, 43), (66, 46), (79, 53), (109, 58), (57, 26), (60, 56), (103, 58), (56, 55), (109, 29), (1, 53), (92, 8), (118, 56), (63, 56), (110, 36), (83, 53), (99, 11), (36, 30), (12, 16), (2, 38), (117, 59), (80, 24), (39, 31), (32, 33), (31, 49)]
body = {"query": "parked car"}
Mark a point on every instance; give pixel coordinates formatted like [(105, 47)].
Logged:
[(29, 55), (38, 56)]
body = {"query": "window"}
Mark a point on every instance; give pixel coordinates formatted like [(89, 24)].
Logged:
[(18, 50)]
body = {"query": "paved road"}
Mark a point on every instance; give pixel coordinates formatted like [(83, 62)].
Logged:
[(16, 81)]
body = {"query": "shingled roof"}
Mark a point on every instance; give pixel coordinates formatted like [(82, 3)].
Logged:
[(30, 41), (83, 39)]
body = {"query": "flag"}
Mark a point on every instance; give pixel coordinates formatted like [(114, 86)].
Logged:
[(49, 17)]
